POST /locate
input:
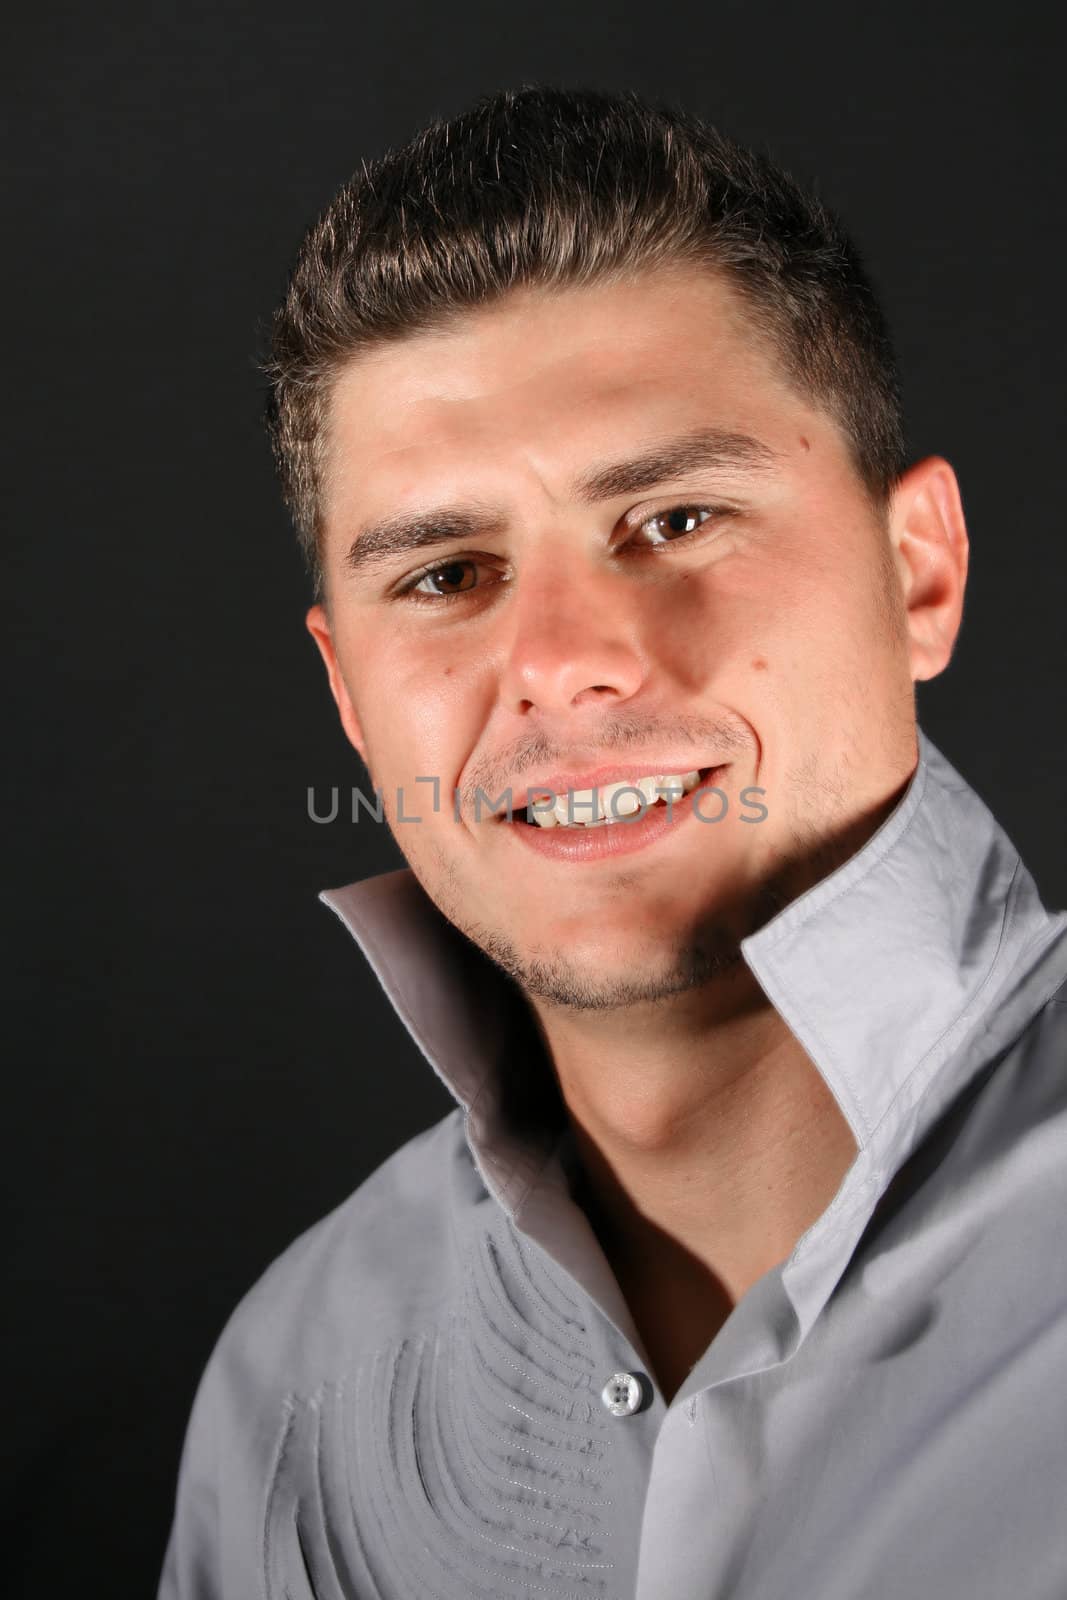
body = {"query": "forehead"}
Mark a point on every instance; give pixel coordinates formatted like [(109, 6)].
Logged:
[(544, 379)]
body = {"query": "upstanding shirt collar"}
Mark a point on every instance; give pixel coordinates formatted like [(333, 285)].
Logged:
[(884, 971)]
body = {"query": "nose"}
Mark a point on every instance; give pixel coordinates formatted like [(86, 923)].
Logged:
[(574, 641)]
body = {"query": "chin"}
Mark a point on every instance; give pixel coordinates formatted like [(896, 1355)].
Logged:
[(595, 978)]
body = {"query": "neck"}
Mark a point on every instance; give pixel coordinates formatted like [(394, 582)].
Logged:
[(709, 1143)]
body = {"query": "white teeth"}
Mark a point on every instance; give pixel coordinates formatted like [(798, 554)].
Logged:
[(580, 802), (579, 815), (575, 810), (626, 802)]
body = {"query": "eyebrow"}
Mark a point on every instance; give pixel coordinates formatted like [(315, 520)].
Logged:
[(704, 449)]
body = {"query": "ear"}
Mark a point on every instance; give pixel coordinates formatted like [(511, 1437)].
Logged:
[(930, 548), (317, 623)]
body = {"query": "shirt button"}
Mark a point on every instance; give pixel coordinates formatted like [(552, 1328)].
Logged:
[(622, 1394)]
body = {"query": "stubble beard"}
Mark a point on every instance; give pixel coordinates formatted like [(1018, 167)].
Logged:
[(565, 984), (704, 954)]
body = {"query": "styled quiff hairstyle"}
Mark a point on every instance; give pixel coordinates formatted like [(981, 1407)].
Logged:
[(554, 188)]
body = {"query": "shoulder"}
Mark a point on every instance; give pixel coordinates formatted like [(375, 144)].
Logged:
[(386, 1258), (1037, 1075), (1001, 1146)]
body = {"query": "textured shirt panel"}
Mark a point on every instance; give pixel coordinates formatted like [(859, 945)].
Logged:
[(468, 1455)]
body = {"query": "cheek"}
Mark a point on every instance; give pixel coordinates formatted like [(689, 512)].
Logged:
[(419, 710), (830, 590), (802, 632)]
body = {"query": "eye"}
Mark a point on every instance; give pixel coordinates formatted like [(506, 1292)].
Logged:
[(666, 527), (452, 578), (447, 579)]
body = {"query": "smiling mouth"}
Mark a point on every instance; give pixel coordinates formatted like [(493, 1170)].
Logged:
[(611, 803)]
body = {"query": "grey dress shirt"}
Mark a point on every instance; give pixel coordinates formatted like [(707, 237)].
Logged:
[(438, 1392)]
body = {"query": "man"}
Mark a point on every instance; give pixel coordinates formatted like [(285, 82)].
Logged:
[(737, 1270)]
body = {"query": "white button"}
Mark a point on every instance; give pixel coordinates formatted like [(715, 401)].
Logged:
[(622, 1394)]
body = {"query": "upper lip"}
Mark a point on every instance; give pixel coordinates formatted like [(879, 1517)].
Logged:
[(560, 783)]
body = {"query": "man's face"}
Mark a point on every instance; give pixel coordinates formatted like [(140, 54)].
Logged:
[(589, 614)]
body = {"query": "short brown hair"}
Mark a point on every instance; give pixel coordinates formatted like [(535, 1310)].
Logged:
[(551, 187)]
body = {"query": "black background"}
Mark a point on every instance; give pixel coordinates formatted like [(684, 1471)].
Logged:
[(199, 1065)]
